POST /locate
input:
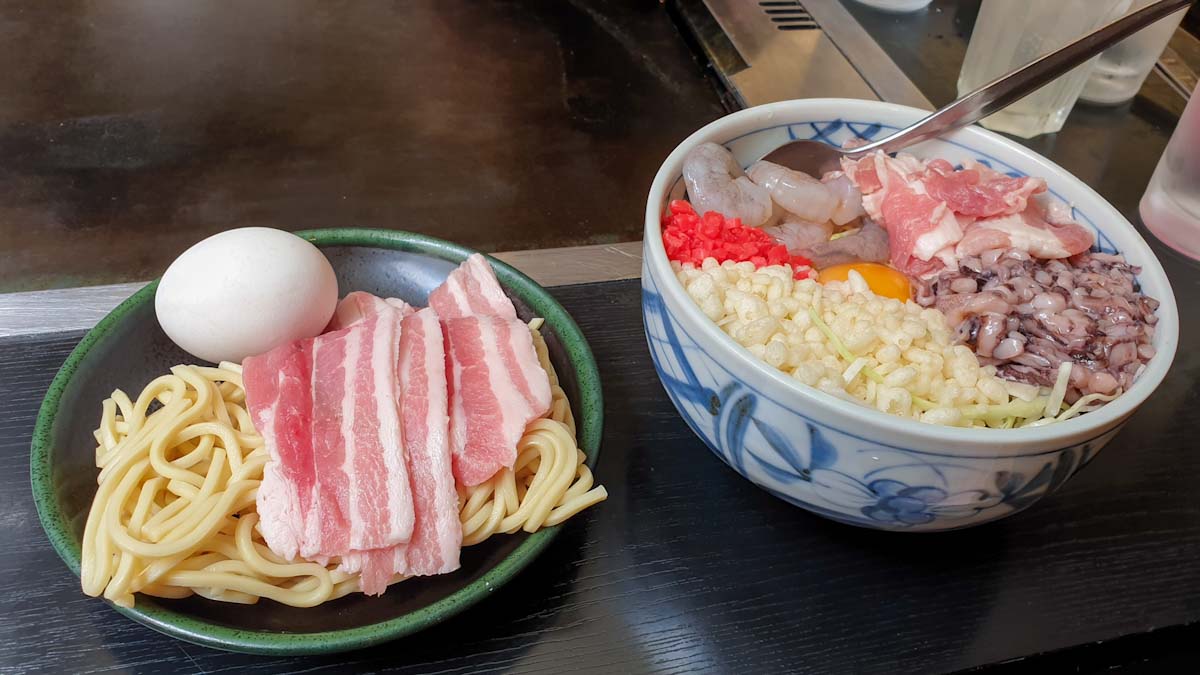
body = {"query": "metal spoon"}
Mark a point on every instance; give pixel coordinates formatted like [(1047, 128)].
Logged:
[(815, 157)]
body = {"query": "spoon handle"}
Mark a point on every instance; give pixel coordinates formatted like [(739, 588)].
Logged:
[(1030, 77)]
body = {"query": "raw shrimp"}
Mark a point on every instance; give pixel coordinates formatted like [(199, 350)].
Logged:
[(849, 199), (800, 234), (798, 193), (715, 182), (867, 244)]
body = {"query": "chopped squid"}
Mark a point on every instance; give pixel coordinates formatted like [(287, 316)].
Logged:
[(1028, 317)]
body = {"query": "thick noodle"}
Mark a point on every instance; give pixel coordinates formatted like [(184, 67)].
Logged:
[(548, 483), (174, 513)]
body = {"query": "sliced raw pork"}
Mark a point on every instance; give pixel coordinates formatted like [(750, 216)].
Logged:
[(979, 191), (497, 387), (369, 425), (919, 227), (381, 493), (935, 214), (359, 305), (327, 408), (470, 290), (496, 384), (278, 388), (437, 532), (374, 567), (1030, 231)]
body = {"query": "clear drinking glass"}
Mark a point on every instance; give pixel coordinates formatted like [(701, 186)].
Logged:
[(1171, 206), (1011, 33), (1122, 68)]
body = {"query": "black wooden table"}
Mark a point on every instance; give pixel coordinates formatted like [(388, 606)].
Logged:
[(689, 567)]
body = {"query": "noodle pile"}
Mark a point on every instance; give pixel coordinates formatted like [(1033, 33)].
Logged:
[(174, 513)]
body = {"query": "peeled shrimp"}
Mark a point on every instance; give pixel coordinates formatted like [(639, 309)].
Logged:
[(799, 194), (867, 244), (849, 199), (715, 182), (800, 234)]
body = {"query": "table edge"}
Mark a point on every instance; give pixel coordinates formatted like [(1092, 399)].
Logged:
[(58, 310)]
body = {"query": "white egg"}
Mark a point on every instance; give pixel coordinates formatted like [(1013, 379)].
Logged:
[(244, 292)]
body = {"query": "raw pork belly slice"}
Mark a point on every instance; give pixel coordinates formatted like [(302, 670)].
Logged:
[(358, 305), (364, 498), (470, 290), (497, 386), (918, 226), (381, 495), (374, 566), (1029, 231), (437, 533), (369, 425), (328, 411), (327, 525), (936, 214), (979, 191), (279, 397)]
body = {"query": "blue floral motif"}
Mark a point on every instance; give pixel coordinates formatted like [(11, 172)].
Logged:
[(818, 468), (899, 503), (731, 409)]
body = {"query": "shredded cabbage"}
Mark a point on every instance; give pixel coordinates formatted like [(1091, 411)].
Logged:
[(837, 343), (852, 372), (1017, 412), (1055, 402), (1083, 401)]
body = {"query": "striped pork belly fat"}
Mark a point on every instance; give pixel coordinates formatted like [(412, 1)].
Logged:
[(497, 387), (327, 408), (371, 425), (935, 214), (471, 290), (358, 306), (496, 384), (278, 388), (437, 533)]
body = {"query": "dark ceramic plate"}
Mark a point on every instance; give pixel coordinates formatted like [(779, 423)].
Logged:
[(127, 349)]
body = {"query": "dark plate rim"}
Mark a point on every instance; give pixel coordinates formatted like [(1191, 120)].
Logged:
[(209, 634)]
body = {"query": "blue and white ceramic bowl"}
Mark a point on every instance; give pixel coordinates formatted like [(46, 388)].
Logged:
[(848, 462)]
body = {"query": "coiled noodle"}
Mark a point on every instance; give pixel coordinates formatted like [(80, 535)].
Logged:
[(174, 512)]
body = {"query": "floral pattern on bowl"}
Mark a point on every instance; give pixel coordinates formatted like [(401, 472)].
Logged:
[(833, 472)]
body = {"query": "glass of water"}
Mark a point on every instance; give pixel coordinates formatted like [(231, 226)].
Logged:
[(1171, 206), (1011, 33), (1122, 68)]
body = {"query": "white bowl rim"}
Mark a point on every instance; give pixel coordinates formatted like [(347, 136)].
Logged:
[(971, 438)]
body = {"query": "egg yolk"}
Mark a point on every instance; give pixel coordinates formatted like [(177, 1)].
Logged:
[(881, 279)]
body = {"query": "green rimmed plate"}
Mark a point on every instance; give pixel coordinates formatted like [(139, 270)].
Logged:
[(127, 349)]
